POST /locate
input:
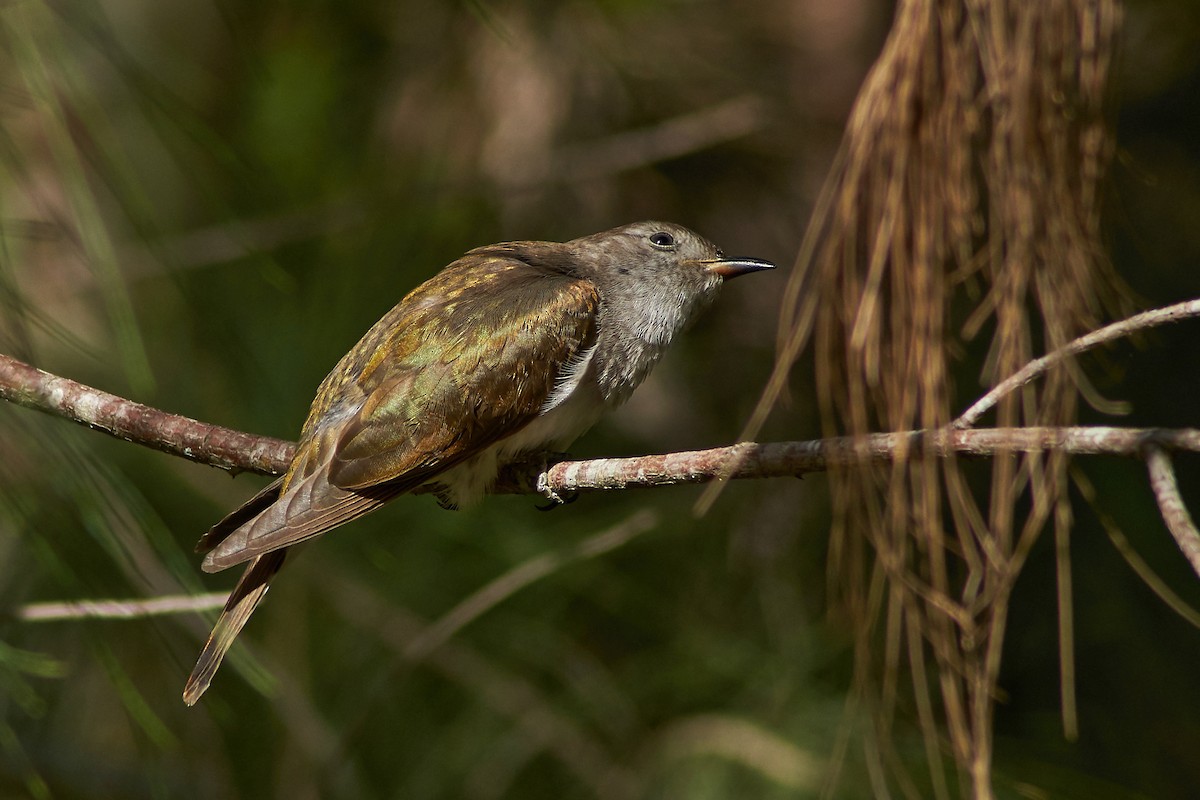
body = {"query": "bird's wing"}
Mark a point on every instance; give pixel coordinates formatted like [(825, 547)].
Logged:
[(463, 361), (475, 375)]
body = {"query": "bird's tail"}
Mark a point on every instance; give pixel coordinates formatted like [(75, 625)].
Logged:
[(242, 601), (240, 516)]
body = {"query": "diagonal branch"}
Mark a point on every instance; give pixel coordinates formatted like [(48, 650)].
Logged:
[(514, 580), (180, 436), (1039, 366), (1174, 512)]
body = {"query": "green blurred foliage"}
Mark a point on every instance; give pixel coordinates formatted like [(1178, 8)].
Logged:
[(238, 190)]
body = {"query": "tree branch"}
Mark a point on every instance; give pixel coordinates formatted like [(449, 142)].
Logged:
[(1170, 503), (238, 451), (181, 436), (780, 459), (1039, 366)]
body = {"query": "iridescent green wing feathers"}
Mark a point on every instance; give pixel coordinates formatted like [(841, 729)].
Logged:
[(465, 360)]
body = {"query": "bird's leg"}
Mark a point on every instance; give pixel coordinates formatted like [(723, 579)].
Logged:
[(541, 462)]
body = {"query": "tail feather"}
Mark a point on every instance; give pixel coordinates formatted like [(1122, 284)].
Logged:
[(244, 513), (242, 601), (240, 516), (300, 514)]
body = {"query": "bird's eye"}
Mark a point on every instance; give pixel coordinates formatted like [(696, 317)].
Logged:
[(662, 240)]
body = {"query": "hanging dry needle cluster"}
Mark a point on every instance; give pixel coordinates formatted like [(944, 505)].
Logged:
[(964, 208)]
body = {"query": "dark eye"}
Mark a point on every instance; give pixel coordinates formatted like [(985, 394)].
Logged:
[(663, 240)]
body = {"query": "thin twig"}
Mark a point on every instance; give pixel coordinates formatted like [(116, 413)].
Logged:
[(743, 742), (1131, 556), (1068, 699), (532, 713), (517, 578), (121, 609), (671, 138), (1170, 503), (1117, 330)]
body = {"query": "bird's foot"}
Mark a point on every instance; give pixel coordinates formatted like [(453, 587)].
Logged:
[(556, 498), (542, 462)]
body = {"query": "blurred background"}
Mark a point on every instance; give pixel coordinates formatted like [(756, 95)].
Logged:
[(204, 205)]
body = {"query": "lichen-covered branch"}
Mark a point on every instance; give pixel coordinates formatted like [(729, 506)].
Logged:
[(181, 436), (238, 451), (780, 459)]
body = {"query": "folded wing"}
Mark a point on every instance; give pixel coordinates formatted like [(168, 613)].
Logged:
[(463, 361)]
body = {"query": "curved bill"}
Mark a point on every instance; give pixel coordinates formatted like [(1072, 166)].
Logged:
[(729, 268)]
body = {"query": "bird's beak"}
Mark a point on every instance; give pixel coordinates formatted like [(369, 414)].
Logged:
[(729, 268)]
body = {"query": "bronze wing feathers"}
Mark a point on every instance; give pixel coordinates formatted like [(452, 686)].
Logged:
[(463, 361)]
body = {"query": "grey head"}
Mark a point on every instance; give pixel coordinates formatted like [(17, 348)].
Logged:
[(654, 278)]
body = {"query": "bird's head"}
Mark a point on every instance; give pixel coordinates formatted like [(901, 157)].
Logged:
[(657, 270)]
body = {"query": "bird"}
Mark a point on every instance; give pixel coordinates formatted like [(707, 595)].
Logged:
[(512, 350)]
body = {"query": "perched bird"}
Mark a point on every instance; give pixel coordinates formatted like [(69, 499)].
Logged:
[(514, 349)]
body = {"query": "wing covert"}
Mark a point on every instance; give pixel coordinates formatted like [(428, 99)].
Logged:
[(465, 360)]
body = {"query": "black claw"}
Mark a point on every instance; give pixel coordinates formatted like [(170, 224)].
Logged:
[(559, 500)]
